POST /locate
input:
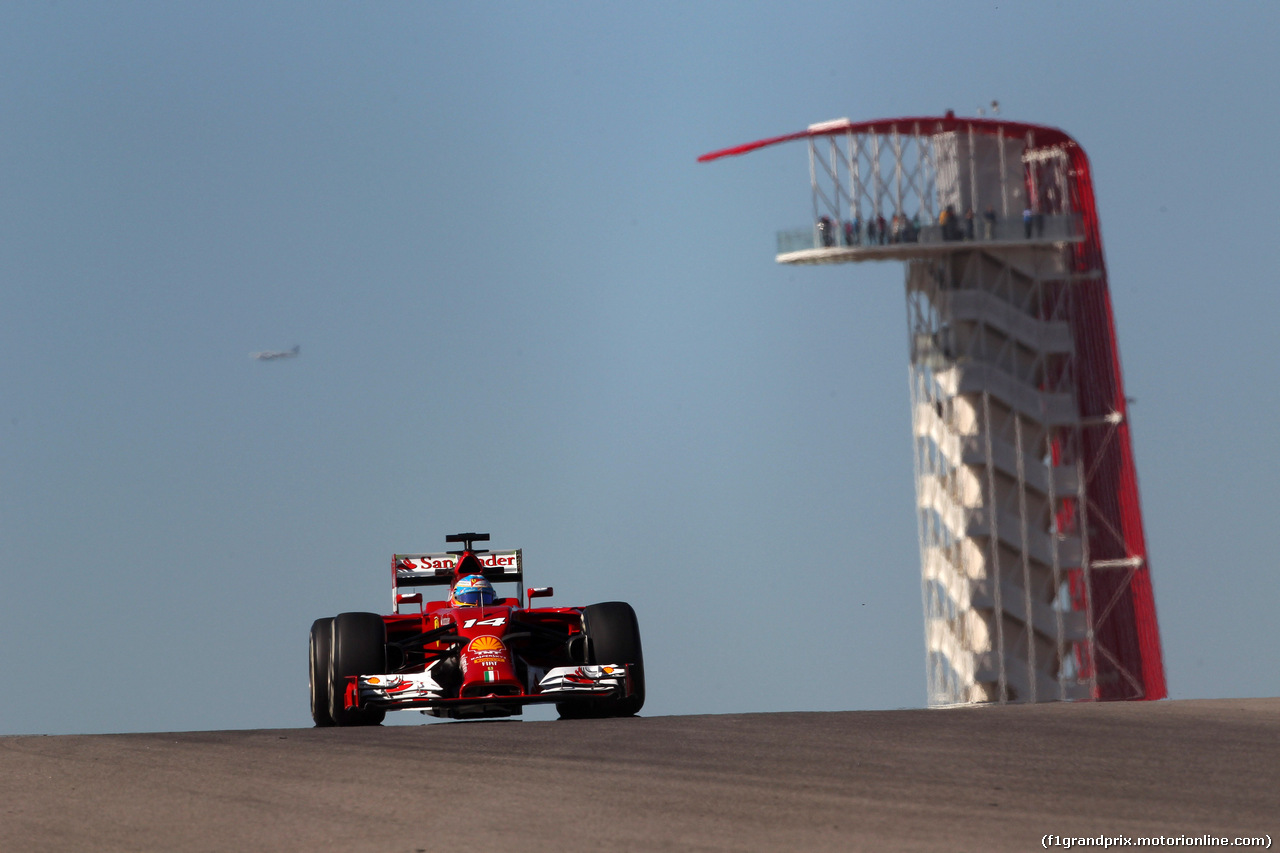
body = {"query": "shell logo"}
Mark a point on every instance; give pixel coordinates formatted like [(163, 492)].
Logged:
[(486, 644)]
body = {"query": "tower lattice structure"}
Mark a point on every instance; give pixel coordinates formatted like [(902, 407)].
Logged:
[(1035, 577)]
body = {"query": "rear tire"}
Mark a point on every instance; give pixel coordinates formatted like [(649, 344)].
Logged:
[(613, 636), (359, 645), (318, 671)]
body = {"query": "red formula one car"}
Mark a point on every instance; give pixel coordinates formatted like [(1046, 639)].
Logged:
[(474, 655)]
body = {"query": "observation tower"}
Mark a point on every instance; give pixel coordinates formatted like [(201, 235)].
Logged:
[(1033, 561)]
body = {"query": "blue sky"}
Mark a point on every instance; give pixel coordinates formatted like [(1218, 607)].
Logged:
[(524, 309)]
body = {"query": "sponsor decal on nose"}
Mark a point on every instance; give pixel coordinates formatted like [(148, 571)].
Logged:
[(486, 644), (487, 651)]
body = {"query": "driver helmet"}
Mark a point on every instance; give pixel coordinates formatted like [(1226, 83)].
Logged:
[(471, 591)]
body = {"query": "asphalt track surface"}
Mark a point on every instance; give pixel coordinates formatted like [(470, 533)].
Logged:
[(955, 779)]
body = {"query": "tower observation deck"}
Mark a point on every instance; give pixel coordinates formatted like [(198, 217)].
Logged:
[(1033, 560)]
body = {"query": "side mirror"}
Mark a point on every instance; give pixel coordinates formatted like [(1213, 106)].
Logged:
[(409, 598), (541, 592)]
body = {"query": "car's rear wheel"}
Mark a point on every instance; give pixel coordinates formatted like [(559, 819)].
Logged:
[(318, 671), (359, 645), (613, 636)]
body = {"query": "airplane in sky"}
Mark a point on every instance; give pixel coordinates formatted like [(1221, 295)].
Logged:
[(272, 354)]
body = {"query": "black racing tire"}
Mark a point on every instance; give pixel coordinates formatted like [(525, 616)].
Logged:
[(613, 636), (318, 671), (359, 643)]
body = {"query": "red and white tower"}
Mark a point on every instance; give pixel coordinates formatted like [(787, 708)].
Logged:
[(1033, 560)]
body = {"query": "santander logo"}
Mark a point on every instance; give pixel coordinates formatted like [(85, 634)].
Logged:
[(438, 562)]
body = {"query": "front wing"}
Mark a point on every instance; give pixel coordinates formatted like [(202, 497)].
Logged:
[(396, 691)]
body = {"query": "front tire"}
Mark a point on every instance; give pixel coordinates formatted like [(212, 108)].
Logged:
[(613, 636), (318, 671), (359, 646)]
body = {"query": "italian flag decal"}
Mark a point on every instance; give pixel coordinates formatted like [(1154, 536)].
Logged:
[(490, 675)]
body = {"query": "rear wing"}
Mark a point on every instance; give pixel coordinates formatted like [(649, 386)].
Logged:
[(439, 569)]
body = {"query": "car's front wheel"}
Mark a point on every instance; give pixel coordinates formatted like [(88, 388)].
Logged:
[(613, 636), (359, 647)]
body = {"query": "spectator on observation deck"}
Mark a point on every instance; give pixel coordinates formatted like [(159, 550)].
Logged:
[(825, 229), (1026, 221), (950, 225), (968, 224), (989, 223)]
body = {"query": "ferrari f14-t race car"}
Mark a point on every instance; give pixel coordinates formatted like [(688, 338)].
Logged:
[(474, 654)]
